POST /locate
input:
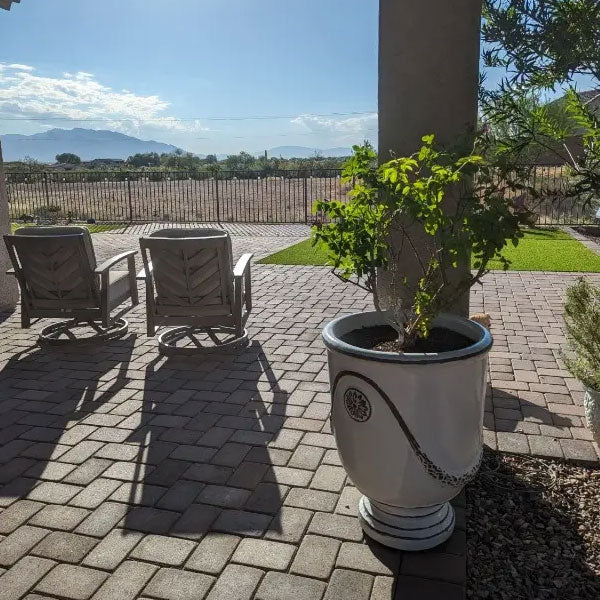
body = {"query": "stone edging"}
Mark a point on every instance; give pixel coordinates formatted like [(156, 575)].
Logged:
[(593, 246)]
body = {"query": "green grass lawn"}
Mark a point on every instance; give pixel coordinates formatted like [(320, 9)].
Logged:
[(539, 250), (93, 228)]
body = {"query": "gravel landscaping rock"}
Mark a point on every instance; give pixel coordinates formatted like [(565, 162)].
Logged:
[(533, 530)]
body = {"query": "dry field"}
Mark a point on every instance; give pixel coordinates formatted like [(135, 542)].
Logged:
[(72, 196), (266, 200)]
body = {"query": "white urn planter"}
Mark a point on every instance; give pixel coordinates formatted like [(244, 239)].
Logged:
[(408, 428), (591, 404)]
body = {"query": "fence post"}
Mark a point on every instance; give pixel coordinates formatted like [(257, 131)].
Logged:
[(305, 198), (218, 201), (46, 189), (129, 198)]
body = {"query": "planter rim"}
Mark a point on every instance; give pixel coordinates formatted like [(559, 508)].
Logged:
[(334, 330)]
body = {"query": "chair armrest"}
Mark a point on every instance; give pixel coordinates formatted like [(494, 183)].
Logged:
[(142, 273), (242, 278), (242, 265), (111, 262)]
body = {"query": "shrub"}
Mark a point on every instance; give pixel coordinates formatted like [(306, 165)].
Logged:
[(407, 195), (582, 321)]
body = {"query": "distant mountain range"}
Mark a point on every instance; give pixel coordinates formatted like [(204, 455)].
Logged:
[(89, 144), (305, 152), (86, 143)]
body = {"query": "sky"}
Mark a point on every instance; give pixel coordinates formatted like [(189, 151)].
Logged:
[(209, 76), (193, 73)]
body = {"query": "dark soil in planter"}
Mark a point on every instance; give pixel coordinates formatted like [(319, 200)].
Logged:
[(385, 339), (533, 530)]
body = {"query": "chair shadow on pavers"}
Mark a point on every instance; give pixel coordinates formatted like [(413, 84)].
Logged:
[(54, 417), (208, 443)]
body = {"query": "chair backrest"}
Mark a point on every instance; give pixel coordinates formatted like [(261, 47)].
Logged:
[(55, 266), (192, 271)]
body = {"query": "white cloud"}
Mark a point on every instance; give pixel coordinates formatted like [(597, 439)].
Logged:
[(19, 67), (341, 128), (80, 98)]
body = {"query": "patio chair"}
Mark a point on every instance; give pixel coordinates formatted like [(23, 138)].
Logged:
[(191, 283), (59, 278)]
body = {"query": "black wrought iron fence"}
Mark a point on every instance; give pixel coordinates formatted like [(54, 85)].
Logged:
[(282, 196), (552, 204)]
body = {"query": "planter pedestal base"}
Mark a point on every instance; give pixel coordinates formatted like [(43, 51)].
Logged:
[(409, 529)]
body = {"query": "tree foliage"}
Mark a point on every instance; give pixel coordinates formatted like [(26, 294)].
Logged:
[(544, 45), (68, 158), (145, 159), (582, 321), (406, 196), (189, 163)]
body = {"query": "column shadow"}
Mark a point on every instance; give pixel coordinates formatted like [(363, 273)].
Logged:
[(514, 422)]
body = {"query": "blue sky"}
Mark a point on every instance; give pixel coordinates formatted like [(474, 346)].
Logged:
[(193, 72), (192, 59)]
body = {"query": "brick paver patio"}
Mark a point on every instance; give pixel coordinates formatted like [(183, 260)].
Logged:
[(128, 475)]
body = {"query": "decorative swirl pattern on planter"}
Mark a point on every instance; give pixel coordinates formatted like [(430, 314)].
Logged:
[(430, 467)]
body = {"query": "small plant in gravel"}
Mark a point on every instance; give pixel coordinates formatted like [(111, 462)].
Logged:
[(582, 321), (406, 195)]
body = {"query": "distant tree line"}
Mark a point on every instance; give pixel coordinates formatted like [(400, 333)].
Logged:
[(184, 161), (243, 161)]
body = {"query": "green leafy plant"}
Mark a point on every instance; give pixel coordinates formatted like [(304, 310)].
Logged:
[(544, 46), (542, 42), (582, 321), (432, 192)]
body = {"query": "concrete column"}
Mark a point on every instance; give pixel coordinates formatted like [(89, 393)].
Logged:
[(428, 78), (9, 292)]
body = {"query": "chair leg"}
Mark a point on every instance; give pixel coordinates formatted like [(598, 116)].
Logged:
[(248, 290), (104, 305), (25, 320), (132, 281), (238, 309), (106, 320), (150, 328)]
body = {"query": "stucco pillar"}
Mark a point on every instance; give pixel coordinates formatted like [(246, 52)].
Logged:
[(9, 293), (428, 79)]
